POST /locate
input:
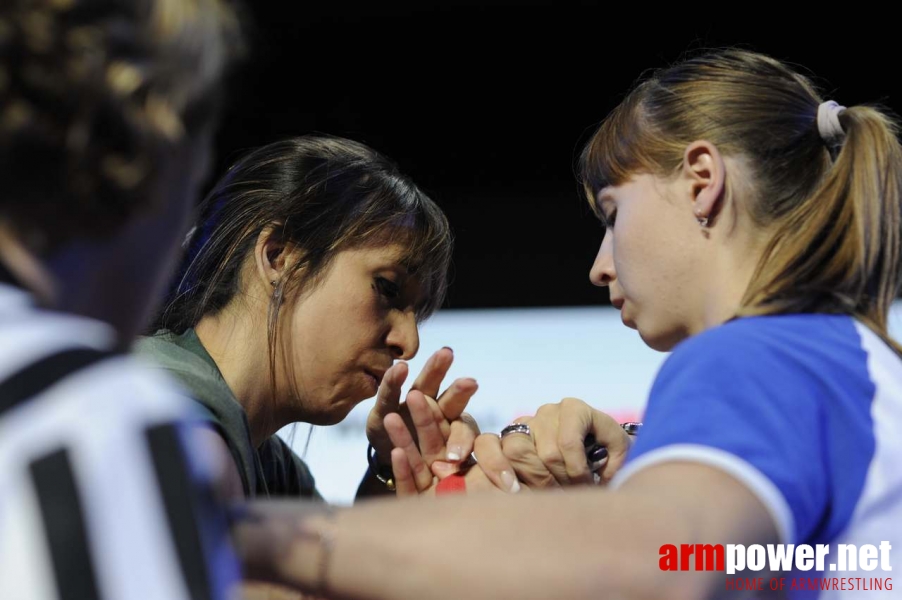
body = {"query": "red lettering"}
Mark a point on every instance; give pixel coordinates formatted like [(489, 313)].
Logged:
[(685, 552), (709, 557), (748, 584), (825, 584), (669, 560)]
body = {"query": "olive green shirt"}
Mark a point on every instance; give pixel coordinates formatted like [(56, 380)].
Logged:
[(270, 470)]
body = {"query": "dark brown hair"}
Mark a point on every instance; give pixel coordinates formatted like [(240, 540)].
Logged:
[(93, 95)]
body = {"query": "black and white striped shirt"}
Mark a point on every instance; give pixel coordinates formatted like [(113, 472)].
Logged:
[(98, 496)]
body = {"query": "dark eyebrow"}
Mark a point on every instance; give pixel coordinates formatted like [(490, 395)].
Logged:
[(400, 266), (397, 262)]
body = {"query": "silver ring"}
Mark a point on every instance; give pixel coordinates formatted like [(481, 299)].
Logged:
[(515, 428), (631, 427)]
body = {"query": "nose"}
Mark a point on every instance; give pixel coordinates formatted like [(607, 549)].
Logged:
[(602, 272), (404, 338)]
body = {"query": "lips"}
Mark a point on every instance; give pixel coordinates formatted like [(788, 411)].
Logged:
[(376, 374), (617, 302)]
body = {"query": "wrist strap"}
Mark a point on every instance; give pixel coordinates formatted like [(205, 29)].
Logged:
[(453, 484), (384, 474)]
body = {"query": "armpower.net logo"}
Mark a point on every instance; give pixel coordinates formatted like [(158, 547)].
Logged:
[(844, 568)]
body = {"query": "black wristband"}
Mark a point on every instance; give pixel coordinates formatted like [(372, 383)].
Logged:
[(383, 474)]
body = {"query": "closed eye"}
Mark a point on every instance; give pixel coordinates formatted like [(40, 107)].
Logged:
[(387, 288)]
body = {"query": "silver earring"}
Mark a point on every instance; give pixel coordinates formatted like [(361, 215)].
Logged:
[(273, 283), (703, 221)]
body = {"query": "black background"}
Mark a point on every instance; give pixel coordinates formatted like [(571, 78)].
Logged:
[(485, 105)]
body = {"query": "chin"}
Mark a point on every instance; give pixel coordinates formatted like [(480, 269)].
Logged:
[(338, 411), (660, 341), (327, 418), (321, 420)]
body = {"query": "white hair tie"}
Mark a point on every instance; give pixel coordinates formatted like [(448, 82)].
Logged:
[(828, 121)]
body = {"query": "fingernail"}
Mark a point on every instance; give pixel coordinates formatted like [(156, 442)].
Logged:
[(393, 371), (510, 482), (448, 348), (444, 469), (460, 386), (598, 454), (454, 453), (465, 384), (597, 465)]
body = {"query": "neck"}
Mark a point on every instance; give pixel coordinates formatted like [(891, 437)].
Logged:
[(240, 348), (731, 272)]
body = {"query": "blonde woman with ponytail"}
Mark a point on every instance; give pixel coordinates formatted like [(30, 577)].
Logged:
[(753, 229)]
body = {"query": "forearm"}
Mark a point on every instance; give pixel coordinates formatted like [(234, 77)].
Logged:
[(585, 544)]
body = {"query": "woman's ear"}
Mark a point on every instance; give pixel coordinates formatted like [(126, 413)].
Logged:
[(270, 256), (705, 173)]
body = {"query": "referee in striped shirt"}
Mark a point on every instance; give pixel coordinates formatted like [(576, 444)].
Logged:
[(106, 116)]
